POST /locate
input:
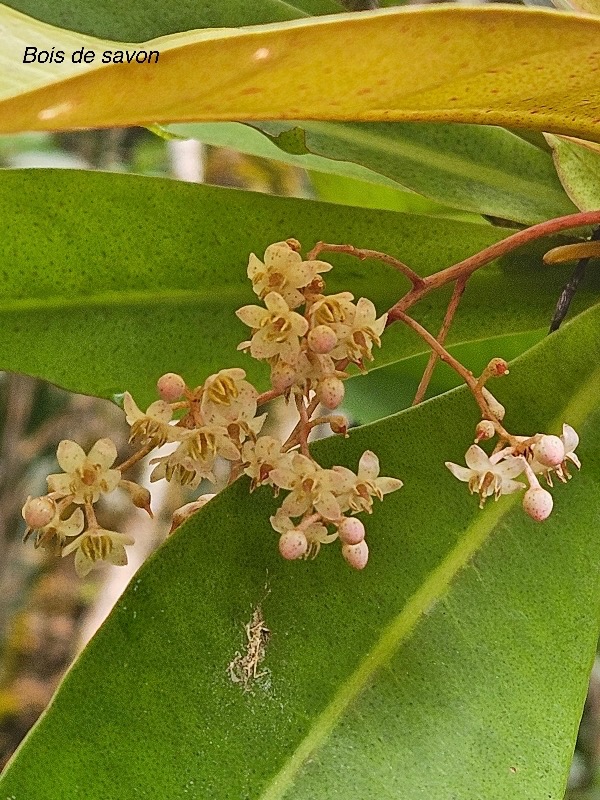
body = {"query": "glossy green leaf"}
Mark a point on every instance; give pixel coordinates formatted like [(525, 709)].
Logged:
[(308, 69), (107, 281), (477, 168), (146, 19), (392, 388), (455, 665), (353, 192), (578, 166)]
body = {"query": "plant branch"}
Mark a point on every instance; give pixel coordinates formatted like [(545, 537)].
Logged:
[(469, 265), (459, 288), (362, 254)]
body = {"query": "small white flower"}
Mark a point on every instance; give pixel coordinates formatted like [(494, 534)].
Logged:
[(152, 426), (358, 490), (486, 477), (97, 545), (310, 486), (277, 329), (228, 397), (195, 456), (54, 531), (284, 272), (570, 440), (263, 456), (85, 477)]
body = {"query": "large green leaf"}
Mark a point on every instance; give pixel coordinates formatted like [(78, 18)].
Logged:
[(146, 19), (107, 281), (493, 63), (477, 168), (456, 665)]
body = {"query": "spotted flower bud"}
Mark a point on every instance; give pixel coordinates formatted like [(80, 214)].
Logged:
[(549, 451), (356, 555), (351, 531), (293, 544), (322, 339), (330, 391), (170, 387), (282, 376), (537, 502), (497, 367), (339, 424)]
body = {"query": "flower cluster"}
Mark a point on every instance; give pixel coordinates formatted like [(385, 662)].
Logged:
[(308, 339), (64, 520), (515, 457)]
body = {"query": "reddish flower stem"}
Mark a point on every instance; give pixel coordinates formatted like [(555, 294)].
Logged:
[(469, 265), (459, 288), (364, 253)]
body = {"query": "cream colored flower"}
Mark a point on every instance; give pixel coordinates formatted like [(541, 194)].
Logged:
[(228, 397), (97, 545), (284, 272), (261, 457), (358, 490), (277, 329), (310, 486), (195, 456), (316, 533), (85, 477), (151, 427), (358, 332), (487, 477), (332, 310)]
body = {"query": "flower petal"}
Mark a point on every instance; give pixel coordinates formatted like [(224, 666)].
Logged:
[(251, 315), (462, 473), (368, 466), (70, 455), (477, 459), (103, 453), (570, 438)]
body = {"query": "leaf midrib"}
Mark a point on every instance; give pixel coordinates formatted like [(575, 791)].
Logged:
[(135, 297), (397, 632)]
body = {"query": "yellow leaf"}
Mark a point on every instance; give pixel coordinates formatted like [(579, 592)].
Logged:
[(534, 68)]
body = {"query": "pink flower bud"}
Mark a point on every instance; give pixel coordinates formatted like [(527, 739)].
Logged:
[(38, 512), (282, 376), (322, 339), (549, 451), (356, 555), (537, 502), (497, 367), (293, 544), (170, 387), (351, 531), (330, 392)]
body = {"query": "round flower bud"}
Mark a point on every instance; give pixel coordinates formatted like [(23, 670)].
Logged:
[(537, 502), (282, 376), (330, 391), (322, 339), (293, 544), (170, 387), (549, 451), (497, 367), (338, 424), (351, 531), (356, 555), (484, 430), (38, 511)]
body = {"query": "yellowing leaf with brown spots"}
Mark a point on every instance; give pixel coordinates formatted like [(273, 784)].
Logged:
[(510, 66)]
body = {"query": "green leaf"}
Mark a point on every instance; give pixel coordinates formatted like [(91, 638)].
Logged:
[(308, 68), (392, 388), (108, 281), (353, 192), (455, 665), (146, 19), (476, 168), (578, 166)]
